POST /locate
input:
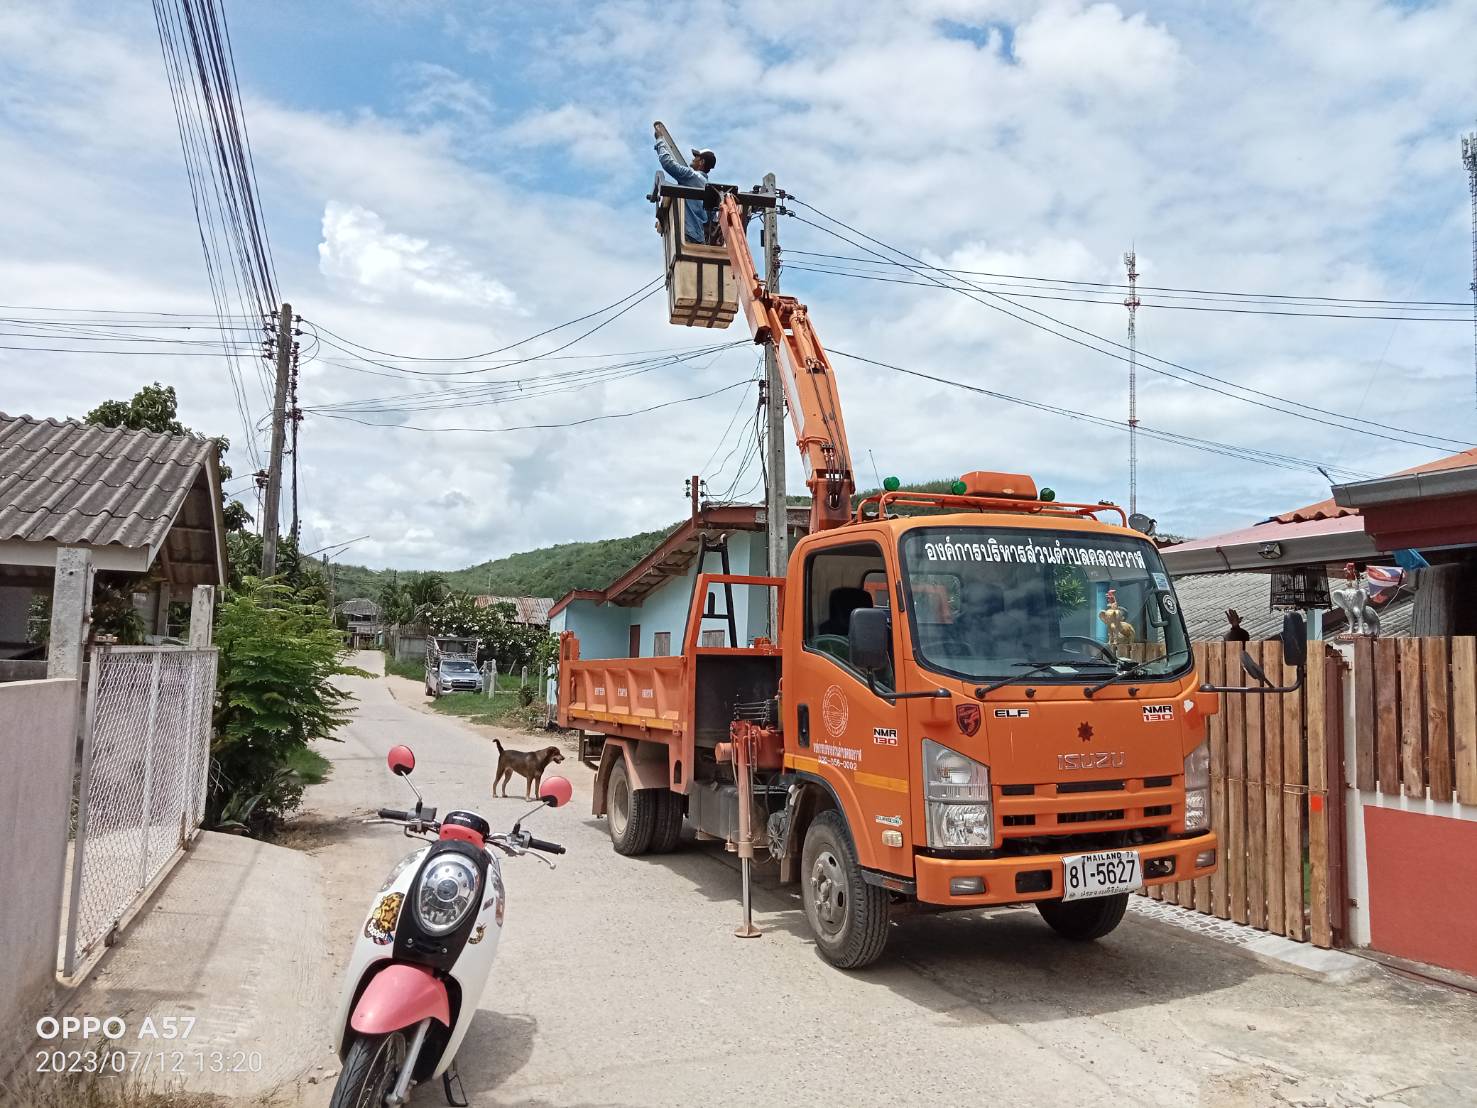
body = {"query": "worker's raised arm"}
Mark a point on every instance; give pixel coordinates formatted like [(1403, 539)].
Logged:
[(682, 174)]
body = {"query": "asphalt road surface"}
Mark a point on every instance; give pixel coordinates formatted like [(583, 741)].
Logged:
[(619, 980)]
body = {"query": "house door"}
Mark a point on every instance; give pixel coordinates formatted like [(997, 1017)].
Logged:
[(635, 646)]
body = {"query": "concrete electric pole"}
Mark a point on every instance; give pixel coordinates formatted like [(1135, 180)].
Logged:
[(274, 466), (775, 507)]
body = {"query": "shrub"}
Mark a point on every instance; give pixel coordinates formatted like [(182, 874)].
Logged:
[(279, 653)]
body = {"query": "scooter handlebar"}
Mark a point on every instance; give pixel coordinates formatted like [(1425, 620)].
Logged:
[(391, 813), (544, 845)]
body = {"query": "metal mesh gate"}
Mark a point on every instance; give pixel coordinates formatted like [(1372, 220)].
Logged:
[(145, 755)]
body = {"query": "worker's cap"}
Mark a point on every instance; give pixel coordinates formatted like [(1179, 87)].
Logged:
[(707, 155)]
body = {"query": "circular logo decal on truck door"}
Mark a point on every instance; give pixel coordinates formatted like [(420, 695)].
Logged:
[(835, 712)]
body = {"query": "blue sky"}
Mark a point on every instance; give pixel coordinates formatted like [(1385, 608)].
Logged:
[(446, 176)]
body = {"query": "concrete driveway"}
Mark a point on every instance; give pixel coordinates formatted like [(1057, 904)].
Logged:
[(619, 981)]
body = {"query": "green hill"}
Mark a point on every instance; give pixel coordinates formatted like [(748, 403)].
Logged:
[(549, 571)]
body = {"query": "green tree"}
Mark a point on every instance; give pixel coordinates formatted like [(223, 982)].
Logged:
[(279, 654), (153, 408)]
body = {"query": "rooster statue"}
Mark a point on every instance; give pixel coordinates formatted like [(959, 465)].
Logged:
[(1352, 599)]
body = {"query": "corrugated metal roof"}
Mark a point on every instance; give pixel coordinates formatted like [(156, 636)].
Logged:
[(67, 482), (1204, 598)]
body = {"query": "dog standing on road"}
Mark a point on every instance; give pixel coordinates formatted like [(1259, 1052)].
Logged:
[(529, 763)]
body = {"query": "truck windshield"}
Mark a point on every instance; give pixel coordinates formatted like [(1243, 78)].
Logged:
[(1003, 603), (458, 666)]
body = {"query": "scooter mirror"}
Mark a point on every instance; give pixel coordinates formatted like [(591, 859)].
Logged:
[(555, 791), (401, 760)]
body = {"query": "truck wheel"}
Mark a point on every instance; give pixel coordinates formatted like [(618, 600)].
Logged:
[(847, 915), (1084, 920), (667, 827), (631, 813)]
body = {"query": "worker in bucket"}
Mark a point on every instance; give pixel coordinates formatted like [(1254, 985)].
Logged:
[(693, 175)]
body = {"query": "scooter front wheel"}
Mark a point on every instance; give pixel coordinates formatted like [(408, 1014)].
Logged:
[(370, 1069)]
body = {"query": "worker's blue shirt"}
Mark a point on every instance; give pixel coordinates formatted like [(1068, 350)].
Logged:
[(695, 216)]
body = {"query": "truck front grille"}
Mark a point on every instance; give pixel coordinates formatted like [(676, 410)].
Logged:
[(1078, 809)]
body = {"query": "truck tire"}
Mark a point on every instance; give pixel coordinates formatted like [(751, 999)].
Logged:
[(630, 813), (666, 829), (1084, 920), (847, 916)]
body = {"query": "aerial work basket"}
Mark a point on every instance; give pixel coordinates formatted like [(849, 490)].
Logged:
[(701, 291)]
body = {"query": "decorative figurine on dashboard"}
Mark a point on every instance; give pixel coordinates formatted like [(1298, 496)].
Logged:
[(1120, 631)]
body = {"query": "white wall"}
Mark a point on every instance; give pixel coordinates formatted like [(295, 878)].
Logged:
[(38, 737)]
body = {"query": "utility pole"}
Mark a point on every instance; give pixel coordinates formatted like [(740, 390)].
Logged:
[(775, 508), (296, 415), (1131, 302), (1469, 159), (274, 466)]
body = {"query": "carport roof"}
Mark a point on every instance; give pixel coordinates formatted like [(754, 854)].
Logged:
[(128, 495)]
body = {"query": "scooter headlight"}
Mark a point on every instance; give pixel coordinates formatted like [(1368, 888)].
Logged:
[(447, 892)]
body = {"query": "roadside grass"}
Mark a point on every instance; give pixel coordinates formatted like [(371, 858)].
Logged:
[(411, 671), (500, 710), (313, 768)]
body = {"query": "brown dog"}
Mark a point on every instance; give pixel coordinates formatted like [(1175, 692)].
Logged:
[(530, 763)]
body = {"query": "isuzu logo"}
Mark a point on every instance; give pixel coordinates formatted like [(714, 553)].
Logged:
[(1105, 759)]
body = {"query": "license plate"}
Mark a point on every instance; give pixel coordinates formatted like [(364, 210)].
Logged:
[(1101, 874)]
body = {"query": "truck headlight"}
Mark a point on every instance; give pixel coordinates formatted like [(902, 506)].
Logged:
[(956, 799), (445, 894), (1197, 788)]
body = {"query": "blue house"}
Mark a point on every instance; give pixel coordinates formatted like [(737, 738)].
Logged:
[(643, 613)]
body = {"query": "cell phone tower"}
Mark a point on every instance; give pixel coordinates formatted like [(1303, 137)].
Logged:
[(1469, 159), (1131, 302)]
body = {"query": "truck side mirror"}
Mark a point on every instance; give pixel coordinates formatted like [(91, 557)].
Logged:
[(1294, 640), (867, 637)]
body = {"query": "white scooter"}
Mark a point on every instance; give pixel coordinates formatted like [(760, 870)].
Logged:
[(420, 963)]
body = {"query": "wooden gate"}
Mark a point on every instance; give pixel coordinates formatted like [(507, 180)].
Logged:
[(1273, 758), (1416, 717)]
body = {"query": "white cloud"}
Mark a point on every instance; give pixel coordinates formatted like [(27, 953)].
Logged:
[(373, 263), (1257, 146)]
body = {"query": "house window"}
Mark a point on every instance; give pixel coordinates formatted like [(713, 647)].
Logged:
[(714, 638), (661, 644)]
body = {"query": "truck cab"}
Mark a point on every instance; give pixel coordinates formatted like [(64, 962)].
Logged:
[(1002, 706)]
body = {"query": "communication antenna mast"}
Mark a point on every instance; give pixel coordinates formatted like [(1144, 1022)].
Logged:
[(1469, 158), (1131, 302)]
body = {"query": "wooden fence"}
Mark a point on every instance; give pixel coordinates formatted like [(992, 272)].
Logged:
[(1416, 717), (1272, 760)]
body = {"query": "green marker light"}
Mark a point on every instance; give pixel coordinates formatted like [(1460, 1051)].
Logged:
[(957, 488), (892, 484), (1048, 494)]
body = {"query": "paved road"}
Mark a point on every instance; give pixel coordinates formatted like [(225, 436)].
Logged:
[(619, 982)]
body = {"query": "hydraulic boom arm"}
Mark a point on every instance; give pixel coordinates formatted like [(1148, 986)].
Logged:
[(810, 384)]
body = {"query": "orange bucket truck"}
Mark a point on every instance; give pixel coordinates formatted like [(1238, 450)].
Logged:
[(975, 698)]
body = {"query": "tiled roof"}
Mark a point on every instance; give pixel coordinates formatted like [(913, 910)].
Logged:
[(67, 482), (1327, 509), (533, 611)]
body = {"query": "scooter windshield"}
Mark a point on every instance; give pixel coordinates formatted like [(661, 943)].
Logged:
[(994, 603)]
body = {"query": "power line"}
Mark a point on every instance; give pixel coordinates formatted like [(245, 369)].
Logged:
[(548, 426), (647, 288), (1297, 408), (1115, 287), (1211, 446), (1016, 294)]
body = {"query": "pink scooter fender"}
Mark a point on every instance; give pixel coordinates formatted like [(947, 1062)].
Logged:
[(400, 996)]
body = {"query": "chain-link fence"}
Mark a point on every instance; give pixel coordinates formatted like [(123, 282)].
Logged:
[(145, 757)]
